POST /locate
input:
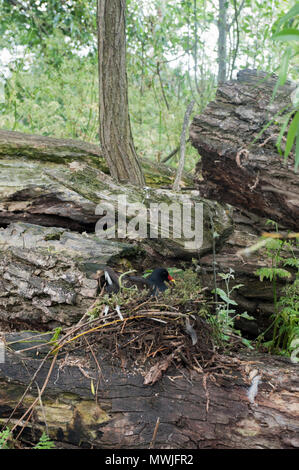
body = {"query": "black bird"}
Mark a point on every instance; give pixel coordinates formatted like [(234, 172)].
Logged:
[(155, 282)]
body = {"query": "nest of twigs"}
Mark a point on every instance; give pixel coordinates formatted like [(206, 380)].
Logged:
[(139, 331)]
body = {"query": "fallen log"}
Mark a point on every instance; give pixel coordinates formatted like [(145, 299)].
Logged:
[(240, 164), (41, 149), (245, 401)]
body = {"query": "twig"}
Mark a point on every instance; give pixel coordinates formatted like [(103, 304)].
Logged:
[(172, 154), (204, 382), (98, 367), (153, 441), (176, 184), (162, 86), (214, 258), (238, 37), (27, 388), (31, 407)]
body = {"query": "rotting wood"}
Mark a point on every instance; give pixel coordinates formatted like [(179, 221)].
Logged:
[(126, 411), (240, 165)]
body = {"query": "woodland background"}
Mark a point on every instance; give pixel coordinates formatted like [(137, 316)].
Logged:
[(175, 51)]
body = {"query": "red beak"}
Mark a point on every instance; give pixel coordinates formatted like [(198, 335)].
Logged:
[(170, 279)]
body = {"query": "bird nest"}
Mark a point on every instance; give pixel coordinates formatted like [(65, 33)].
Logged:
[(138, 331)]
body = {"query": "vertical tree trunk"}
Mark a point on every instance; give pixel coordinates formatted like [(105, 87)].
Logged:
[(115, 129), (222, 20)]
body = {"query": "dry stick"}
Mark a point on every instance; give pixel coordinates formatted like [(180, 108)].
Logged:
[(173, 153), (214, 258), (24, 424), (176, 184), (41, 392), (155, 434), (98, 366), (27, 388), (162, 86), (31, 407)]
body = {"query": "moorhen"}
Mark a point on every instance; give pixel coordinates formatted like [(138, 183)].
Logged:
[(155, 282)]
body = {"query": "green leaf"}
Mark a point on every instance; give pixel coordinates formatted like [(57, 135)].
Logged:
[(284, 65), (237, 286), (297, 153), (290, 14), (247, 343), (225, 297), (287, 34), (282, 131), (293, 131), (5, 435), (245, 315), (44, 442)]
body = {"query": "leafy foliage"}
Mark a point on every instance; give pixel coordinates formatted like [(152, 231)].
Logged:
[(31, 22), (285, 318), (225, 315), (171, 55), (289, 36), (271, 273), (5, 436), (44, 442)]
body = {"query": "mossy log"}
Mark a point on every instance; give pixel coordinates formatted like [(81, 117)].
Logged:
[(42, 149)]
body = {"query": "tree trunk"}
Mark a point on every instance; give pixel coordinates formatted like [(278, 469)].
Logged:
[(115, 129), (222, 59)]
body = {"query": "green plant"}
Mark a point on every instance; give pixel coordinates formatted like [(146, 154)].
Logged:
[(289, 34), (225, 315), (285, 317), (44, 442), (5, 436), (288, 319)]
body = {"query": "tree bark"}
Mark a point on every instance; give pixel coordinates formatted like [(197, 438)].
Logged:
[(115, 129), (195, 410), (240, 164)]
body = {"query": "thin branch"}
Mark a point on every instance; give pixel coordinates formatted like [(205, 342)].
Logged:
[(195, 47), (173, 153), (238, 38), (237, 14), (152, 444), (176, 184), (162, 86)]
